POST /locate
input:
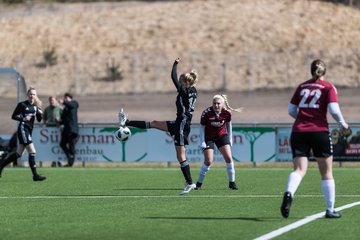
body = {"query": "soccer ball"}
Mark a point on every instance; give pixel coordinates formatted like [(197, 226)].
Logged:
[(123, 134)]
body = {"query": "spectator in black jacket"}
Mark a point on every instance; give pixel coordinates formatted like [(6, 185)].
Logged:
[(70, 133)]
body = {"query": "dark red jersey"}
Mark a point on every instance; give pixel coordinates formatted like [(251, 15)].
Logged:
[(215, 124), (312, 99)]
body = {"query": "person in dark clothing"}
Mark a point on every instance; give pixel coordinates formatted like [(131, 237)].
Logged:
[(25, 113), (70, 133), (180, 128)]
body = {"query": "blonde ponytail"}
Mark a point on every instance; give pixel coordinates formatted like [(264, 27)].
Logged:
[(37, 102), (228, 106)]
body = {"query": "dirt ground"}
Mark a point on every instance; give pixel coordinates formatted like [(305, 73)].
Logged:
[(259, 107)]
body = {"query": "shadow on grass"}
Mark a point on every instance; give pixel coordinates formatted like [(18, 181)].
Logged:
[(146, 189)]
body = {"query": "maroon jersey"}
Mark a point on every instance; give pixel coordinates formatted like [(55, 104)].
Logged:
[(312, 99), (215, 123)]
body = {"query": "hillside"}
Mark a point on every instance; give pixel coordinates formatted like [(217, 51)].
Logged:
[(234, 45)]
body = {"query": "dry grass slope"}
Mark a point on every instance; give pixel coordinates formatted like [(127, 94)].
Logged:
[(263, 43)]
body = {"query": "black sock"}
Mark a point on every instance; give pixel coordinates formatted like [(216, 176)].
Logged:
[(185, 168), (32, 163), (138, 124)]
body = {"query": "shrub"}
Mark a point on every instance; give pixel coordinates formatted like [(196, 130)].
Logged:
[(113, 71)]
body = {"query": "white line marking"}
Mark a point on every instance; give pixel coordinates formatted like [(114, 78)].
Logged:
[(160, 196), (301, 222)]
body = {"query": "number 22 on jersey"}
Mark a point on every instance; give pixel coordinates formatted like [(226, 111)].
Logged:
[(309, 98)]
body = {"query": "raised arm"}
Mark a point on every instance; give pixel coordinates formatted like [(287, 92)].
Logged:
[(174, 76), (70, 104)]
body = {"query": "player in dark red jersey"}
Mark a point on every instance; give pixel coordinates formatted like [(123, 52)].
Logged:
[(26, 112), (216, 129), (180, 128), (308, 106)]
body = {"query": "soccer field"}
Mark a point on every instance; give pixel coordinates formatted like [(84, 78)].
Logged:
[(144, 203)]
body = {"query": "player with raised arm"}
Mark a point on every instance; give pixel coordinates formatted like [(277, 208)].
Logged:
[(216, 129), (25, 113), (310, 132), (180, 128)]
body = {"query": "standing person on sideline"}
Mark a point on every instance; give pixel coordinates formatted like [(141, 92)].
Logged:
[(70, 132), (216, 129), (52, 118), (26, 112), (180, 128), (308, 106)]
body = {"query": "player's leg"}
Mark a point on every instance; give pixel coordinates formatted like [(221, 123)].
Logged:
[(184, 165), (161, 125), (294, 179), (328, 186), (301, 150), (32, 163), (223, 144), (225, 150), (12, 157), (180, 130), (124, 121), (208, 159), (293, 182), (323, 154)]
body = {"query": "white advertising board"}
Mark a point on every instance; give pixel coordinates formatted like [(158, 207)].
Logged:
[(98, 144)]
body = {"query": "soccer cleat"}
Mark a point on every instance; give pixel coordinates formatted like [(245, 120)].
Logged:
[(232, 186), (332, 214), (198, 186), (188, 188), (38, 177), (286, 204), (122, 117)]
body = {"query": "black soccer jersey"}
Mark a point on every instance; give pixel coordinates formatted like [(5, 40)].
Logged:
[(186, 98), (24, 109)]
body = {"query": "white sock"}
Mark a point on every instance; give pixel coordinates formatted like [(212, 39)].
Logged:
[(328, 189), (230, 171), (203, 170), (293, 183)]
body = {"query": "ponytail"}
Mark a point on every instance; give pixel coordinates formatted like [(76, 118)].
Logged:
[(228, 106)]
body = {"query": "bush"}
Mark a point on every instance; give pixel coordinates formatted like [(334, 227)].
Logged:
[(113, 71), (49, 57)]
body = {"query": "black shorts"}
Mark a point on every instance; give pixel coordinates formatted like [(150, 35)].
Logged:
[(219, 142), (302, 143), (180, 130), (24, 135)]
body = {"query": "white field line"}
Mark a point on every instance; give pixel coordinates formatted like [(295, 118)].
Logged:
[(301, 222), (161, 196)]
